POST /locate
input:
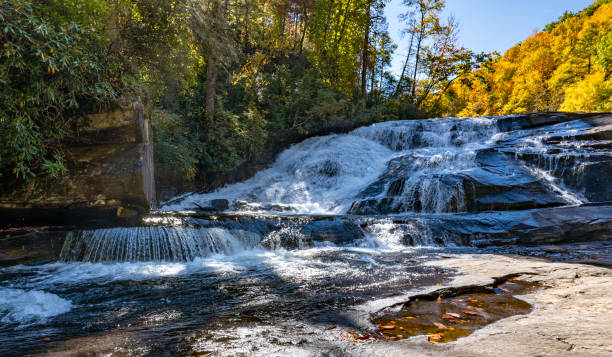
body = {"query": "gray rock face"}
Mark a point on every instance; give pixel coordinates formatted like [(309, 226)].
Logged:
[(528, 227), (529, 166)]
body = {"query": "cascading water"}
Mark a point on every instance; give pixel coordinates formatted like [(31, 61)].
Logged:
[(171, 244), (407, 167), (325, 175), (335, 222)]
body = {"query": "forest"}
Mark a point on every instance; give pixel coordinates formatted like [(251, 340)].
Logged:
[(224, 79)]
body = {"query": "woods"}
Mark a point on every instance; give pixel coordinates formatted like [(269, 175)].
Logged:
[(564, 68), (225, 78)]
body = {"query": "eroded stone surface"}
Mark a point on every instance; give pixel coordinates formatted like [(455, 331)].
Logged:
[(573, 317), (110, 165)]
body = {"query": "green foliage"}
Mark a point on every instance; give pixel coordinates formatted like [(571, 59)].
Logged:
[(176, 145), (604, 52), (587, 12), (50, 68)]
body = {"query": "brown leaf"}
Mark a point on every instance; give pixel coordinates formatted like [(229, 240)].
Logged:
[(473, 313), (437, 338), (331, 327), (363, 337), (441, 326), (451, 315), (386, 327)]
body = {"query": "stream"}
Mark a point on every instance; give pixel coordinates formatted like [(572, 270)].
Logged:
[(336, 229)]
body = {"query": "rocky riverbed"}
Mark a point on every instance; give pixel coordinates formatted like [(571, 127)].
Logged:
[(401, 238), (570, 316)]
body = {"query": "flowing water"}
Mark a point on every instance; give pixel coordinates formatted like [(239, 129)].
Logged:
[(336, 228)]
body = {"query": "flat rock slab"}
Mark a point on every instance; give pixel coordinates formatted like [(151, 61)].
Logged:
[(571, 317)]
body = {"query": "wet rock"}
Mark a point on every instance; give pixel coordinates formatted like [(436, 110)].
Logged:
[(220, 204), (335, 231), (531, 227), (498, 183), (23, 247), (535, 120), (501, 184)]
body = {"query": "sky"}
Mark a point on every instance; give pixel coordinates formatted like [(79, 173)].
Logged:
[(488, 25)]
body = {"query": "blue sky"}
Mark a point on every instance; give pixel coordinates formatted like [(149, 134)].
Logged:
[(488, 25)]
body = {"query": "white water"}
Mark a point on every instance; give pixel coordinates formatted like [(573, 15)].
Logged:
[(27, 307), (324, 175)]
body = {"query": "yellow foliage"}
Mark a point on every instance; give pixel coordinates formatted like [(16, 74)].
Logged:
[(592, 94), (550, 70)]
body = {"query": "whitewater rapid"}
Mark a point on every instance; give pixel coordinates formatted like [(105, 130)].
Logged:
[(324, 175)]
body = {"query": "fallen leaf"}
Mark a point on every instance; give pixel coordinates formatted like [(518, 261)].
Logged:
[(364, 336), (435, 338), (451, 315), (386, 327), (355, 336), (439, 299), (441, 326), (331, 327), (473, 313), (46, 339)]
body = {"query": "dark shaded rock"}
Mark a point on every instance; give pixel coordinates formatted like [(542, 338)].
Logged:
[(498, 183), (22, 247), (530, 227), (337, 231), (110, 165), (501, 184), (534, 120), (220, 204)]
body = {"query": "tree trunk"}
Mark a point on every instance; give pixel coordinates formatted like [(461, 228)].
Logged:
[(304, 20), (418, 53), (343, 25), (245, 40), (401, 78), (211, 85), (364, 55)]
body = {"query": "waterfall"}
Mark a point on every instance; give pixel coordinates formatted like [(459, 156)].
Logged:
[(325, 175), (420, 170), (170, 244)]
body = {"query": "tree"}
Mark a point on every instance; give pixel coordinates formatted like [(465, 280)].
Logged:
[(214, 36)]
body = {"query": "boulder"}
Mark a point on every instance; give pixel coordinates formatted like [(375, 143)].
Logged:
[(220, 204), (337, 231), (497, 183)]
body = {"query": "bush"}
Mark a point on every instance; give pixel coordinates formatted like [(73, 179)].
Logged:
[(51, 66)]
